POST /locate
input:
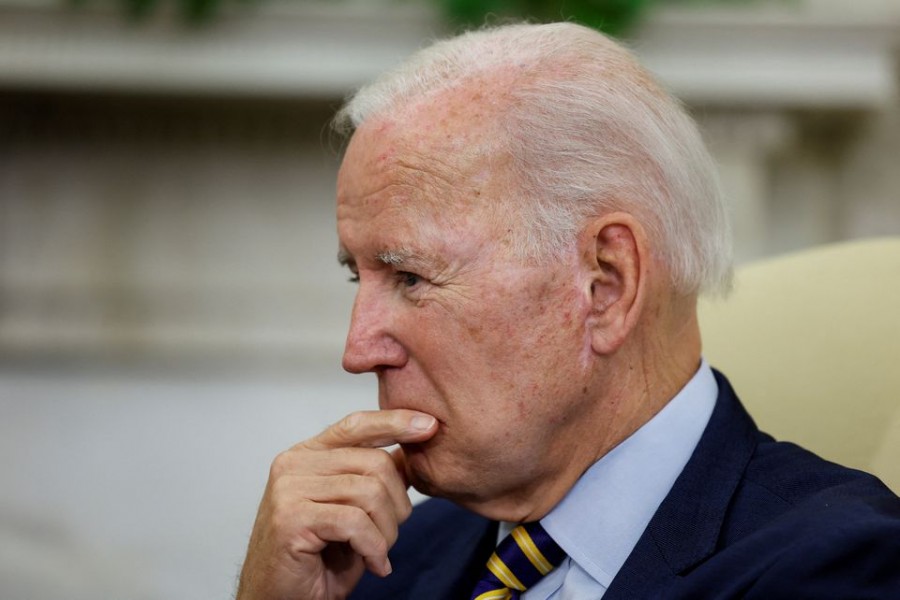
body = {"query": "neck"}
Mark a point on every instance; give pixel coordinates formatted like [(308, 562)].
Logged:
[(645, 375)]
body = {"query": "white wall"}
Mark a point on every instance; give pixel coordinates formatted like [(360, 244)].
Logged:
[(144, 485)]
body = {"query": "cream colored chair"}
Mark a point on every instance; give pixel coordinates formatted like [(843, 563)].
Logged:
[(811, 343)]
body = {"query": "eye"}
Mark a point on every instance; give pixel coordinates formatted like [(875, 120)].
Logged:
[(407, 279)]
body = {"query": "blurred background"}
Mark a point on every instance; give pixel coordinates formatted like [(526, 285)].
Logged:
[(171, 311)]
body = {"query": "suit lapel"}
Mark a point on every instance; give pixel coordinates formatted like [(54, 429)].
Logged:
[(686, 527)]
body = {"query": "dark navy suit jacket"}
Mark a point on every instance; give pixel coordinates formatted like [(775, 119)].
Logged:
[(748, 517)]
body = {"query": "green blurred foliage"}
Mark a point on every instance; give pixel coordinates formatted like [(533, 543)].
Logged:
[(192, 11), (611, 16)]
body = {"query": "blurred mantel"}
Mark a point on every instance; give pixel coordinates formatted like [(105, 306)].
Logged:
[(812, 53), (166, 190)]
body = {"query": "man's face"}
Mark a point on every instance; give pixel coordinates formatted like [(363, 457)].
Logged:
[(451, 323)]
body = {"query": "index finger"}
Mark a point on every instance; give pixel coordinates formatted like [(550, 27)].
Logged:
[(375, 429)]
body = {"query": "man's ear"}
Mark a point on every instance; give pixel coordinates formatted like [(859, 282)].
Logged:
[(615, 249)]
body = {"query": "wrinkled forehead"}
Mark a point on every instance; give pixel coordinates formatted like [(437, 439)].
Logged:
[(427, 181), (445, 151)]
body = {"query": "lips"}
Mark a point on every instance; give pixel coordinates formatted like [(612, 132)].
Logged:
[(405, 405)]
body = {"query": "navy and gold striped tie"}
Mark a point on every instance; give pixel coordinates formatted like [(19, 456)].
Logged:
[(521, 559)]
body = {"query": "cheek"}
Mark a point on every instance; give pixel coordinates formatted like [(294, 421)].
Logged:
[(530, 350), (548, 326)]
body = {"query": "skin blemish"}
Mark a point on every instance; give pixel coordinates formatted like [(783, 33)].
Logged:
[(385, 126), (475, 332)]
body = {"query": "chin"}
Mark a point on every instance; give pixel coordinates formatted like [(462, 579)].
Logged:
[(417, 469), (430, 475), (423, 471)]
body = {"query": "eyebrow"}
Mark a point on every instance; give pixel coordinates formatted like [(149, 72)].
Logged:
[(388, 257), (392, 257)]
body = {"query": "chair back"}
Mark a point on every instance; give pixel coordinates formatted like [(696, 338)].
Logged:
[(811, 343)]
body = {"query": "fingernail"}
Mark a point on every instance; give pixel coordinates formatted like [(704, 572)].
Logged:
[(421, 423), (388, 569)]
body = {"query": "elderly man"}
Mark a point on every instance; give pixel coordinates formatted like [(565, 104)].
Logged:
[(530, 219)]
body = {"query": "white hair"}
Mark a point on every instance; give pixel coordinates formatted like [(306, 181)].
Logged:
[(588, 131)]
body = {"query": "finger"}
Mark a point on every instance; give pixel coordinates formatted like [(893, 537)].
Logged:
[(367, 493), (375, 429), (371, 462), (328, 523), (401, 500), (398, 457)]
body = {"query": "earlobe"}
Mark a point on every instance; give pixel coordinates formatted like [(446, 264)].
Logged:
[(616, 264)]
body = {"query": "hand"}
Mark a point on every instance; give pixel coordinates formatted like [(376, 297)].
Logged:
[(331, 509)]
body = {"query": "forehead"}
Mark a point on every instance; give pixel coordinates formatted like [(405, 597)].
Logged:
[(438, 160), (450, 137)]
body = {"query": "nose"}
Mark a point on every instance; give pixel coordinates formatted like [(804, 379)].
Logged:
[(371, 344)]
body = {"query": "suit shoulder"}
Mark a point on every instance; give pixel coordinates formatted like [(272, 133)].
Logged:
[(794, 473), (801, 527), (791, 488)]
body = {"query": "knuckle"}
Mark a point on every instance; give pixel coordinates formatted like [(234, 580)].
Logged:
[(367, 486), (380, 546), (281, 488), (347, 426), (281, 516), (381, 464), (375, 494), (357, 521), (281, 465), (349, 482)]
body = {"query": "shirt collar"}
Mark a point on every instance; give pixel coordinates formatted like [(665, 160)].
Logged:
[(600, 520)]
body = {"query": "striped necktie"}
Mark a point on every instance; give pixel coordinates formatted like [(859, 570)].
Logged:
[(521, 559)]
